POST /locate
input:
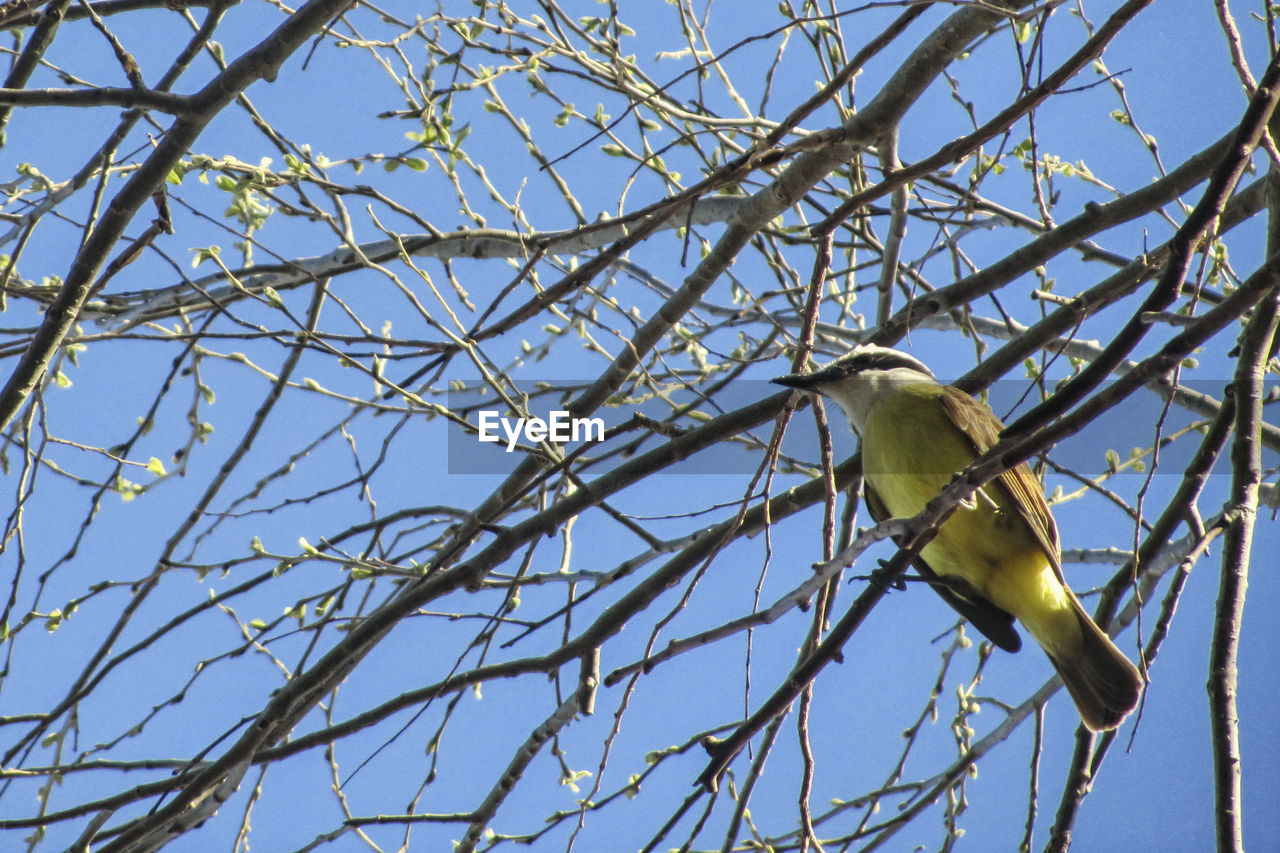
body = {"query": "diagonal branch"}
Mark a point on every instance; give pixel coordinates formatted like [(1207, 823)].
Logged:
[(1197, 228)]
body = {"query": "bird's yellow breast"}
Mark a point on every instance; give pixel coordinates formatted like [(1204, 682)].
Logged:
[(911, 450)]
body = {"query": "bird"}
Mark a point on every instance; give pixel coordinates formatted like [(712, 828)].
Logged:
[(997, 558)]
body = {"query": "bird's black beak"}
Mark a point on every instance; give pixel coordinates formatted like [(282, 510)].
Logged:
[(804, 381)]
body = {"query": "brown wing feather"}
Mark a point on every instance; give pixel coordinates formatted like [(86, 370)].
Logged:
[(976, 420), (995, 624)]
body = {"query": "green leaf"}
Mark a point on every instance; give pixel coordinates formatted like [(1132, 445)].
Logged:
[(155, 466), (127, 490), (298, 612), (205, 253)]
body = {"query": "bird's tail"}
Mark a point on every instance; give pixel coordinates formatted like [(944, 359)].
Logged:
[(1102, 682)]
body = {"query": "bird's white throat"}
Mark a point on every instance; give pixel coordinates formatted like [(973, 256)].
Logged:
[(859, 394)]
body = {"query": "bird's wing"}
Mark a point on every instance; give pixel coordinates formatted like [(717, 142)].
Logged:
[(976, 421), (995, 624)]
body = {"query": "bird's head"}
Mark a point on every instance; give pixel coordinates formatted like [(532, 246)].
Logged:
[(857, 380), (863, 361)]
